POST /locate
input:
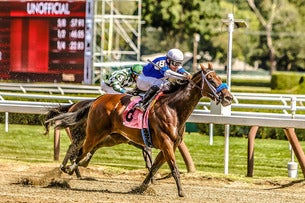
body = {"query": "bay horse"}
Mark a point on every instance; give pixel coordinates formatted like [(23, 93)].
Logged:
[(167, 118), (77, 136)]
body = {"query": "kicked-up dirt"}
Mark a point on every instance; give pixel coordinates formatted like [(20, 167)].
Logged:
[(41, 182)]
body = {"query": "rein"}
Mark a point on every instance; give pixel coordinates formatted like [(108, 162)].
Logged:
[(214, 90)]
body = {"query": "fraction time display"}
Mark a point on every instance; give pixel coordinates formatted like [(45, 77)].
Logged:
[(42, 40)]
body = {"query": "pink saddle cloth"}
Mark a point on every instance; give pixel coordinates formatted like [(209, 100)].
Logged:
[(133, 118)]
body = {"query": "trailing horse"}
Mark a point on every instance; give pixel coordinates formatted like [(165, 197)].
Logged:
[(167, 118)]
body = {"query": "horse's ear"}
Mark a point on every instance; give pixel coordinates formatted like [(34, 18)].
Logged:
[(203, 67), (210, 65)]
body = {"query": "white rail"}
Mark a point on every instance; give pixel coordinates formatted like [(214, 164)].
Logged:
[(287, 110), (51, 88)]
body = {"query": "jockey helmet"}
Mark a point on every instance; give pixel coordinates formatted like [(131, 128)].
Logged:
[(136, 69), (175, 55)]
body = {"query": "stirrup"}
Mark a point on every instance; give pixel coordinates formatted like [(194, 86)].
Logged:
[(139, 107)]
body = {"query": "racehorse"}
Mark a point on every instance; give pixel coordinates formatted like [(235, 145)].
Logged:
[(78, 135), (167, 118)]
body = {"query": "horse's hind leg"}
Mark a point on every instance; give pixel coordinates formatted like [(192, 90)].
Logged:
[(66, 158), (85, 162), (146, 151), (77, 135), (72, 158), (84, 152), (70, 155)]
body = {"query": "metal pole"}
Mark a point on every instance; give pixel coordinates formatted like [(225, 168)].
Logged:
[(229, 62), (88, 55), (226, 158), (139, 30), (6, 122), (229, 57)]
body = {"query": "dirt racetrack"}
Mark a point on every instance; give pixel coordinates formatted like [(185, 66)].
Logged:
[(42, 182)]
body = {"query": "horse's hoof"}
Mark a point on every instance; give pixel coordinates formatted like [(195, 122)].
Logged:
[(139, 190), (181, 194), (83, 164), (69, 171), (63, 169)]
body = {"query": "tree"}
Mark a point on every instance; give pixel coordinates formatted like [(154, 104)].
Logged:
[(274, 38), (282, 22), (178, 20), (267, 19)]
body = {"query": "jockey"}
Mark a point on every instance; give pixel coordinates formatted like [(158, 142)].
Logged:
[(156, 73), (121, 78)]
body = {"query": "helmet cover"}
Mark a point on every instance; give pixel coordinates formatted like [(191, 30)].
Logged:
[(175, 55), (136, 69)]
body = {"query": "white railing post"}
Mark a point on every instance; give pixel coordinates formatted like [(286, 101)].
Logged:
[(6, 122)]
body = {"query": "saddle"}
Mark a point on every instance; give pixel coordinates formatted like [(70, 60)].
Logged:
[(134, 118)]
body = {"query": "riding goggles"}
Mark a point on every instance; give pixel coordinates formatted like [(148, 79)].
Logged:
[(175, 63)]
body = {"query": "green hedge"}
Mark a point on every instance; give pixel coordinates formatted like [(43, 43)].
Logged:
[(287, 81), (24, 119)]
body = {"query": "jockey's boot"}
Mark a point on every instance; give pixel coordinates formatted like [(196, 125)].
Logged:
[(146, 98)]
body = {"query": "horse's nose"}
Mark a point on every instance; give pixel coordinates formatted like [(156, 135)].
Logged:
[(229, 98)]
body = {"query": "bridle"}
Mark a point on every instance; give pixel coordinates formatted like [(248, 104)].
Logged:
[(214, 90)]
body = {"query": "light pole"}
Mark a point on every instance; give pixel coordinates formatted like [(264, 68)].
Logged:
[(231, 23)]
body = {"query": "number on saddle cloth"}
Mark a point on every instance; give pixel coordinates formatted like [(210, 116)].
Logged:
[(129, 115), (138, 119)]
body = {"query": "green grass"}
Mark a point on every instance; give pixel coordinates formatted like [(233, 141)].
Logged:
[(28, 144)]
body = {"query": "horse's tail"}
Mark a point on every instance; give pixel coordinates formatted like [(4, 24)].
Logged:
[(71, 119), (53, 112)]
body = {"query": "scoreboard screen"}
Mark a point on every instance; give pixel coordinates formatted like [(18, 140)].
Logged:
[(42, 40)]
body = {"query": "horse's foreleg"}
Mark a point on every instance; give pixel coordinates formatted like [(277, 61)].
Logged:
[(171, 160), (159, 161), (176, 175)]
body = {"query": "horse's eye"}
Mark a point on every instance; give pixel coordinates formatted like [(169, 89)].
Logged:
[(213, 83)]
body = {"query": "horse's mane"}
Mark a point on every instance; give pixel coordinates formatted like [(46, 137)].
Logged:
[(180, 88), (176, 85)]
